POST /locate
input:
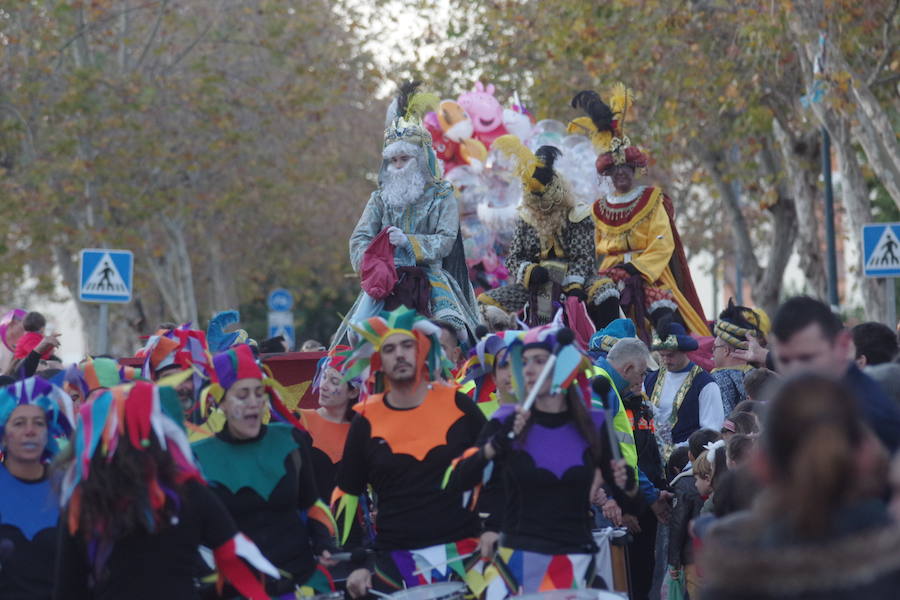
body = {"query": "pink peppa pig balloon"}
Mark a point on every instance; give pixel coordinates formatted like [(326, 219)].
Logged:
[(486, 113)]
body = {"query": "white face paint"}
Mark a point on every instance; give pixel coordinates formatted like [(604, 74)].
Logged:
[(403, 186)]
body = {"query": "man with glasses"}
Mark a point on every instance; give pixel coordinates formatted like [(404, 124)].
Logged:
[(734, 325)]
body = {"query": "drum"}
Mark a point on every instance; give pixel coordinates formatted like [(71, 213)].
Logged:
[(586, 594), (328, 596), (446, 590)]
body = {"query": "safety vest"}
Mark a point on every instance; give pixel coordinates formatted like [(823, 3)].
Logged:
[(621, 422)]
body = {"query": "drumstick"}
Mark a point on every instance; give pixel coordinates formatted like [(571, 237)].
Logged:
[(601, 387), (379, 594)]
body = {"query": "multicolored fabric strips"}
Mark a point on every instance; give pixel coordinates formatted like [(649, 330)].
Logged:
[(345, 508), (443, 562), (513, 572), (125, 414)]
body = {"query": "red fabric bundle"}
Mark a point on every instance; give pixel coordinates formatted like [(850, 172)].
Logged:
[(378, 274)]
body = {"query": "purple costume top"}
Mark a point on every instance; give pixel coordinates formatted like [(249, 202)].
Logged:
[(547, 482)]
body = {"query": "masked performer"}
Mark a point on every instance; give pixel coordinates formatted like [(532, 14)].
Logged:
[(552, 250)]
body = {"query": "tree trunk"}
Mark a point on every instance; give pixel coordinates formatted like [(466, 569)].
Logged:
[(767, 288), (858, 207), (800, 156), (224, 294)]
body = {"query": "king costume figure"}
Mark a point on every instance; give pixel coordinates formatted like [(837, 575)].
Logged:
[(643, 267), (418, 209), (552, 250)]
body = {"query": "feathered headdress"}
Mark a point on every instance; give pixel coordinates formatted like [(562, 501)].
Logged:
[(535, 169), (406, 133), (404, 116), (56, 404), (363, 360), (218, 339), (605, 126), (735, 322)]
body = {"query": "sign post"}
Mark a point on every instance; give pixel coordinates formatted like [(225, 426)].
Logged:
[(881, 259), (281, 319), (106, 276)]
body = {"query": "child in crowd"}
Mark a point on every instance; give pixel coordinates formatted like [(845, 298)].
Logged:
[(737, 450), (686, 506), (34, 324), (739, 423), (758, 382)]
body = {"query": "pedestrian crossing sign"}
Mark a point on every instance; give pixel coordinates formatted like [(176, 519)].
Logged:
[(881, 250), (106, 275)]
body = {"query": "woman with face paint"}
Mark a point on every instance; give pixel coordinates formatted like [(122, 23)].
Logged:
[(329, 424), (263, 473), (33, 415)]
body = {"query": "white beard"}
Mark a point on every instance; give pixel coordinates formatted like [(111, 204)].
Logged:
[(402, 187)]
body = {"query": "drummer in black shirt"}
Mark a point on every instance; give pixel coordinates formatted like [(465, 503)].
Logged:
[(401, 444)]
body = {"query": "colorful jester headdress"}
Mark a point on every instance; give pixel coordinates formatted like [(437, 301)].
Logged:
[(38, 392), (335, 359), (735, 322), (605, 126), (239, 362), (133, 415), (571, 364), (181, 347), (363, 359), (96, 374), (486, 354)]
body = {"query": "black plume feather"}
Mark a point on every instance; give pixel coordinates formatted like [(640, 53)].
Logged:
[(663, 326), (599, 112), (739, 315), (407, 89), (548, 156)]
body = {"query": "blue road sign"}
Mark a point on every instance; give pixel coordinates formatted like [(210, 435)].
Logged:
[(281, 322), (106, 275), (881, 250), (280, 300)]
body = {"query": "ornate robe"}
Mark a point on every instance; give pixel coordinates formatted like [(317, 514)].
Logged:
[(432, 226), (642, 231), (573, 246)]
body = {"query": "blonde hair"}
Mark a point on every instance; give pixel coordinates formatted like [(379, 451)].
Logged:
[(702, 467)]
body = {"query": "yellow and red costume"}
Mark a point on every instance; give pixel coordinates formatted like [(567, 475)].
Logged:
[(641, 231), (635, 234)]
